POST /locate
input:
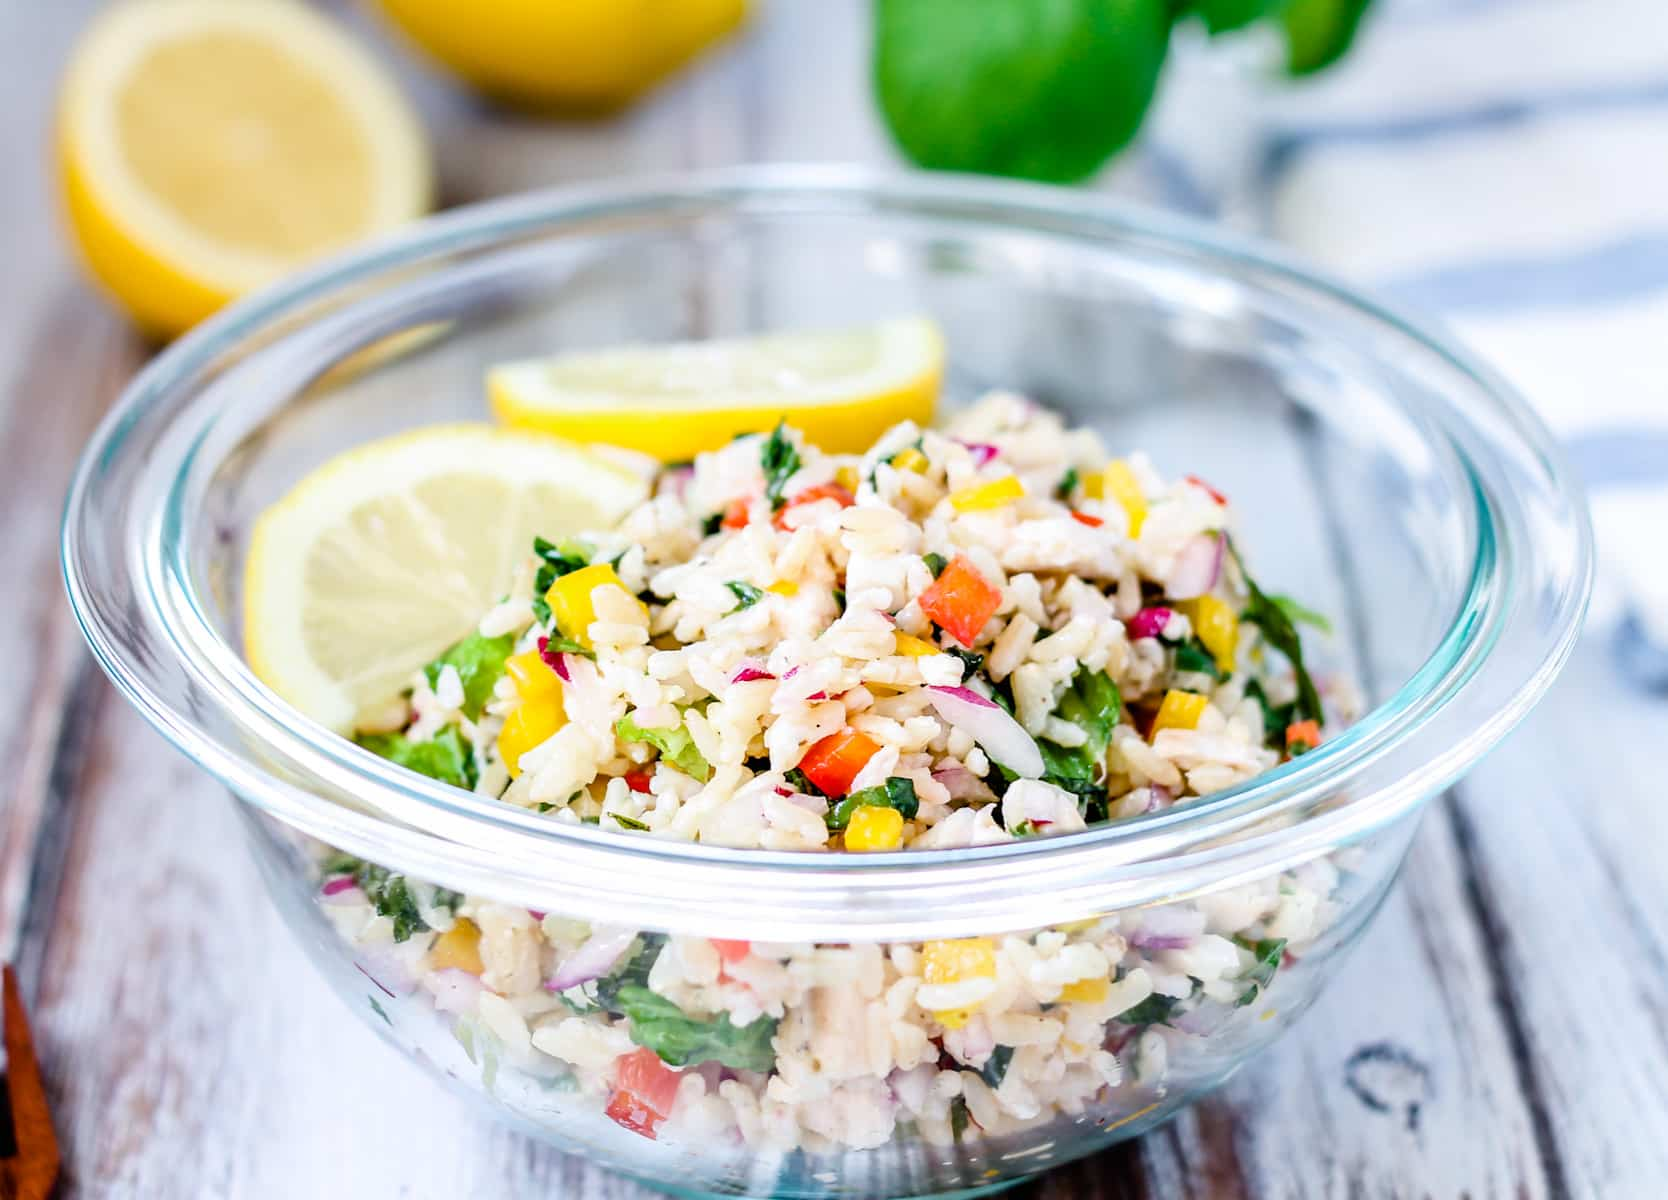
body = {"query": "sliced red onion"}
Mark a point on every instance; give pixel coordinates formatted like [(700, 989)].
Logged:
[(1143, 940), (1197, 567), (383, 987), (340, 883), (1149, 622), (982, 452), (455, 990), (535, 914), (987, 723), (749, 673), (958, 781), (553, 658), (1165, 923), (592, 960)]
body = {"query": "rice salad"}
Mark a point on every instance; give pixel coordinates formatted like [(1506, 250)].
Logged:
[(968, 635)]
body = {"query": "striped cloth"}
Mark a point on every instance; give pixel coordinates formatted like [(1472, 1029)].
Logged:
[(1502, 165)]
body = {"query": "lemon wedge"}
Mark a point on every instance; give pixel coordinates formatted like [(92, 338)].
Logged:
[(206, 148), (385, 555), (842, 388)]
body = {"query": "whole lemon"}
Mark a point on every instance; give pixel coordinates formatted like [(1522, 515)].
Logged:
[(556, 54)]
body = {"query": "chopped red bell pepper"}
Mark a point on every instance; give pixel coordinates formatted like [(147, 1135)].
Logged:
[(731, 950), (961, 600), (834, 762), (644, 1091), (1302, 737), (822, 491), (637, 779), (1200, 483), (735, 515), (1083, 518)]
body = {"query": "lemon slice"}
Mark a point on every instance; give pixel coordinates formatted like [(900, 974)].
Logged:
[(841, 388), (205, 148), (387, 554)]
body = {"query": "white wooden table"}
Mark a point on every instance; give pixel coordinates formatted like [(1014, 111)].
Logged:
[(1502, 1031)]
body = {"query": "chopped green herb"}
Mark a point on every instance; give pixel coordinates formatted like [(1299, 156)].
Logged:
[(557, 644), (1297, 614), (996, 1066), (682, 1040), (556, 559), (896, 793), (1067, 485), (544, 806), (675, 746), (935, 563), (801, 782), (1154, 1010), (1191, 655), (392, 898), (779, 460), (959, 1118), (1024, 829), (712, 524), (839, 594), (745, 593), (446, 756), (1277, 628), (971, 659), (479, 661), (1268, 953), (626, 822), (1091, 703)]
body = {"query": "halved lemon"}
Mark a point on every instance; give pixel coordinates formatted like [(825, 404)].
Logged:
[(842, 388), (205, 148), (389, 553)]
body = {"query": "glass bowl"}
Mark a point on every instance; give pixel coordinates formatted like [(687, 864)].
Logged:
[(1121, 972)]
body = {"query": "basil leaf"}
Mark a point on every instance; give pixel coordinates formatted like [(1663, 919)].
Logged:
[(896, 792), (446, 756), (556, 560), (779, 460), (1042, 91), (479, 662), (675, 746)]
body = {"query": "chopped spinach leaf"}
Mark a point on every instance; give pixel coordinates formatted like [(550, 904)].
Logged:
[(1091, 703), (479, 661), (935, 563), (682, 1040), (1277, 628), (779, 460), (1067, 485), (1191, 655), (996, 1066), (675, 746), (446, 756), (556, 560), (745, 593), (896, 792), (1268, 953)]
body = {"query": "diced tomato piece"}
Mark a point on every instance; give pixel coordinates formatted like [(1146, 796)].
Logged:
[(637, 779), (735, 515), (834, 762), (960, 601), (644, 1091), (1301, 737), (731, 950), (822, 491), (1083, 518), (1200, 483)]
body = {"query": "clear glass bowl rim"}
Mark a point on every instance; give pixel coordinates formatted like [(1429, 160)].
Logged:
[(442, 834)]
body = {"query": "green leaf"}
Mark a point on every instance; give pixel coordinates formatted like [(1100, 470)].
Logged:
[(935, 563), (712, 524), (625, 822), (779, 460), (1268, 953), (745, 593), (1319, 32), (1191, 655), (1299, 615), (959, 1118), (479, 662), (1225, 16), (1067, 485), (996, 1066), (557, 559), (675, 746), (896, 792), (682, 1040), (1044, 89), (801, 782), (971, 659), (446, 757), (1280, 633), (391, 896)]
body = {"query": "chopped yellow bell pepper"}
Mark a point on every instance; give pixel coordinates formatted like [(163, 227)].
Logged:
[(459, 948), (1179, 710), (958, 959), (1085, 991), (532, 676), (953, 1018), (1217, 626), (910, 460), (571, 602), (1118, 483), (785, 587), (982, 497), (848, 478), (875, 827), (913, 647), (529, 724)]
